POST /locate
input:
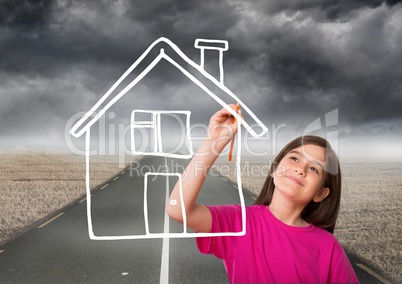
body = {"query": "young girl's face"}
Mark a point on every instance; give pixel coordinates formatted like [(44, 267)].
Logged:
[(300, 175)]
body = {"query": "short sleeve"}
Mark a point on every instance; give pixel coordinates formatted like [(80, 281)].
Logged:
[(341, 268), (225, 218)]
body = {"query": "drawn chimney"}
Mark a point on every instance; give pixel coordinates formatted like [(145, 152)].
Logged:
[(214, 48)]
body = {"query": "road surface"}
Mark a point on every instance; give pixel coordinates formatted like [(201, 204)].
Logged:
[(60, 251)]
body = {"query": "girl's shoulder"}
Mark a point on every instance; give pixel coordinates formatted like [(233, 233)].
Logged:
[(256, 208), (323, 236)]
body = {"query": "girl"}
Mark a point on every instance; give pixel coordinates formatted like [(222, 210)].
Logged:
[(288, 230)]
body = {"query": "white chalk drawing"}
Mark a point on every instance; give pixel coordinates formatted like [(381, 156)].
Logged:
[(198, 75)]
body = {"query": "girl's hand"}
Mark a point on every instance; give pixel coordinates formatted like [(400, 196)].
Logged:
[(222, 127)]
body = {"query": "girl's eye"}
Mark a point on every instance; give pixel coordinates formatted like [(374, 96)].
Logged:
[(314, 170), (294, 159)]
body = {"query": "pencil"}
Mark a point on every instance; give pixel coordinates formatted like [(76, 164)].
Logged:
[(233, 138)]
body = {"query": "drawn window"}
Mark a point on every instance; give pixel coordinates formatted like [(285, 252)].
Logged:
[(161, 133)]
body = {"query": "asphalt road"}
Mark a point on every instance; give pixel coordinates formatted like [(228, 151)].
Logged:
[(60, 251)]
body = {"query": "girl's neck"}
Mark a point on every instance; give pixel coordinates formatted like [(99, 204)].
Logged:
[(287, 212)]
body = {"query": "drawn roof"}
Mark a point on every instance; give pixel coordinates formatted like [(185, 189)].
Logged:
[(168, 50)]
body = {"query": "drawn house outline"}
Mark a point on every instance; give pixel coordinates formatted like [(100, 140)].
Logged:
[(199, 76)]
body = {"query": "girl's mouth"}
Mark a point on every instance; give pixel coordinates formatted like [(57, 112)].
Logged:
[(295, 180)]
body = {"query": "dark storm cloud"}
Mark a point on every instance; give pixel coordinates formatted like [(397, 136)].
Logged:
[(59, 35), (68, 53), (24, 14), (310, 66), (290, 61), (322, 10)]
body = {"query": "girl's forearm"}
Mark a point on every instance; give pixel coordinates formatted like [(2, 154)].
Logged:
[(198, 217)]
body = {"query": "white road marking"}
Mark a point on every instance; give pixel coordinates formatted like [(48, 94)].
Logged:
[(104, 186), (123, 173), (54, 218), (1, 251), (379, 277), (115, 178), (164, 276), (82, 200), (225, 179), (235, 186)]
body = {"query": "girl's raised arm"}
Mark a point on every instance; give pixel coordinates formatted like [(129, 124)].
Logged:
[(220, 130)]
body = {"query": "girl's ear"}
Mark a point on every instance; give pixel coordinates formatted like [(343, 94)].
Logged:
[(320, 196)]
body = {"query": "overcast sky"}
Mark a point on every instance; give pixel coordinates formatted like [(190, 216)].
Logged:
[(291, 62)]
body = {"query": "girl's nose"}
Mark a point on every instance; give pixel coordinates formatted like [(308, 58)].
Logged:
[(299, 171)]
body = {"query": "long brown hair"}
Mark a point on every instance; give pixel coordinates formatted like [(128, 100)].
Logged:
[(321, 214)]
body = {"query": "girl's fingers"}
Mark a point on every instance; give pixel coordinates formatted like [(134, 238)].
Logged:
[(225, 112), (224, 116), (240, 114)]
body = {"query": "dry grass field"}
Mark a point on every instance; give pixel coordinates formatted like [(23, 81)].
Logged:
[(35, 185), (370, 221)]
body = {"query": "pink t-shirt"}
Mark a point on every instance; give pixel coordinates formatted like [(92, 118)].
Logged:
[(274, 252)]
